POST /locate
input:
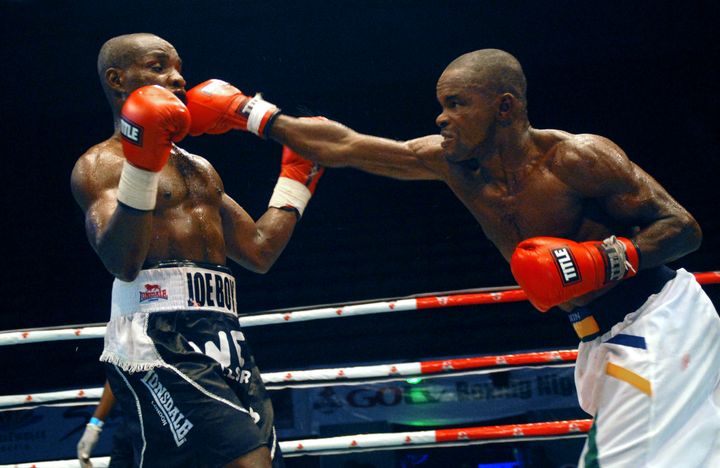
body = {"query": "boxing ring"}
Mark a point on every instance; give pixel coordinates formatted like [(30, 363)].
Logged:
[(329, 377)]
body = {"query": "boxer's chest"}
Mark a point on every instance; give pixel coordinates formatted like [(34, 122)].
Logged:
[(510, 211), (183, 181)]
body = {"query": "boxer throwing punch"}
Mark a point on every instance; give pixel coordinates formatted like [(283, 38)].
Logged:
[(584, 229), (163, 226)]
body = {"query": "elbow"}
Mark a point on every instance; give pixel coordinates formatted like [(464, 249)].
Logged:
[(120, 266), (257, 264), (694, 233), (261, 267), (126, 273)]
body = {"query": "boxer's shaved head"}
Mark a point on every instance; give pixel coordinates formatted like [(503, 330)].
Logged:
[(120, 52), (494, 70)]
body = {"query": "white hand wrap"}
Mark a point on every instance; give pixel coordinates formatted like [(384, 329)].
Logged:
[(138, 188), (290, 193)]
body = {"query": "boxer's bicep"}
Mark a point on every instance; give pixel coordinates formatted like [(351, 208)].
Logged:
[(95, 195), (597, 169)]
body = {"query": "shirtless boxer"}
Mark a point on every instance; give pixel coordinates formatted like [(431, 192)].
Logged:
[(583, 227), (162, 224)]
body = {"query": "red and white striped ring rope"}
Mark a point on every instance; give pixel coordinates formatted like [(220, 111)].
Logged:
[(485, 296), (403, 440), (463, 435), (346, 375)]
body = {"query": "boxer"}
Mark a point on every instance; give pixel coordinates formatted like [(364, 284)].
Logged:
[(584, 229), (161, 223)]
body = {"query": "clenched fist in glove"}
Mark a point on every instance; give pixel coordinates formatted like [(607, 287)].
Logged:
[(151, 119), (297, 182), (552, 271), (218, 107)]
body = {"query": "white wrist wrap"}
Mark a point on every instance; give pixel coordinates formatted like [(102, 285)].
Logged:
[(616, 254), (256, 110), (290, 192), (138, 188)]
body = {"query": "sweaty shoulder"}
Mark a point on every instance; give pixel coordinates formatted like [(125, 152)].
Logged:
[(97, 170), (428, 151), (193, 164), (591, 164)]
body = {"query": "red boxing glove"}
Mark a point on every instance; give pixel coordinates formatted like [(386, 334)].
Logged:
[(218, 107), (297, 181), (150, 120), (552, 271)]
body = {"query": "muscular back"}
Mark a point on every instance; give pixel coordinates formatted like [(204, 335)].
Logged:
[(579, 187), (186, 223)]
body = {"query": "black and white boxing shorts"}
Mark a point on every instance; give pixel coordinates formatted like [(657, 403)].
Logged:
[(181, 369)]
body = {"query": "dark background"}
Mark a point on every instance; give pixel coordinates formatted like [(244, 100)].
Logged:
[(641, 73)]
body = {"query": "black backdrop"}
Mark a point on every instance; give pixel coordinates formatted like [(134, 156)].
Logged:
[(641, 73)]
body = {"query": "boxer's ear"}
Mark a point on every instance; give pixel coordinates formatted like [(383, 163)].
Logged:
[(506, 103), (114, 77)]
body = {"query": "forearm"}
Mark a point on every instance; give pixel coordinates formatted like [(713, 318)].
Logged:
[(123, 243), (668, 239), (322, 141), (107, 401), (259, 251), (333, 145)]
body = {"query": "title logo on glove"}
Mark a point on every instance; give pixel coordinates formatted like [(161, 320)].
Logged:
[(565, 262), (131, 131)]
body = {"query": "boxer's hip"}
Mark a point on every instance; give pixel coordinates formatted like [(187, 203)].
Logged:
[(166, 310)]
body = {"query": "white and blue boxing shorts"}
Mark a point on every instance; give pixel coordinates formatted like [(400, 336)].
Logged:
[(652, 380)]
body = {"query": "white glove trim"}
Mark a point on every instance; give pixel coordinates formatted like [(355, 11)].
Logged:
[(256, 110)]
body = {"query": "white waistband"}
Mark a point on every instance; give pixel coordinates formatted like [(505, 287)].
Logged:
[(172, 289)]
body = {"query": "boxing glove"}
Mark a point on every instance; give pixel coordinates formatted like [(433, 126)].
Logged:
[(552, 271), (88, 441), (218, 107), (297, 182), (150, 120)]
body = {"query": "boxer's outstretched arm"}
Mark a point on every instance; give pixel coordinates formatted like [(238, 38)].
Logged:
[(218, 107), (599, 170), (332, 144)]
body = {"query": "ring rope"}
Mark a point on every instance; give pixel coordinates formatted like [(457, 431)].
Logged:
[(341, 376), (347, 375), (360, 442), (550, 430), (465, 435), (491, 296)]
